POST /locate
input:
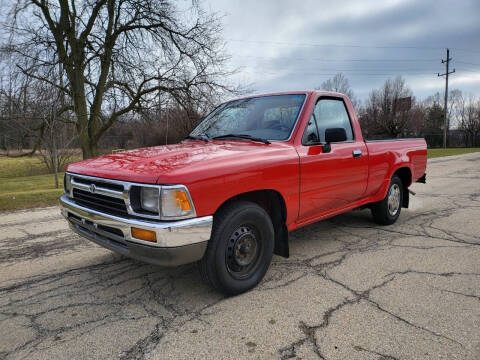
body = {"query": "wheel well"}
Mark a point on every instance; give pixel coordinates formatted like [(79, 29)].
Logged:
[(274, 204), (405, 174)]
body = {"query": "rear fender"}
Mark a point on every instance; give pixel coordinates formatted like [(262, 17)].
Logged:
[(386, 183)]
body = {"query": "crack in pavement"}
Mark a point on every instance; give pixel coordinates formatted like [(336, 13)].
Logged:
[(457, 293), (107, 306), (382, 356)]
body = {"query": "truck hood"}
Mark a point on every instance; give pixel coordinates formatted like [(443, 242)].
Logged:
[(174, 163)]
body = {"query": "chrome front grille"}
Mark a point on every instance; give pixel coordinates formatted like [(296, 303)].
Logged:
[(108, 196), (102, 184), (106, 204)]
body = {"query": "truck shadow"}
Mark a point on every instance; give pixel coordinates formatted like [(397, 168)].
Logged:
[(117, 289), (182, 289)]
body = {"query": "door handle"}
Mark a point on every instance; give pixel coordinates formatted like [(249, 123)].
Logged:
[(357, 153)]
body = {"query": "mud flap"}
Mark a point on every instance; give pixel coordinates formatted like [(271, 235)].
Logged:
[(281, 241), (406, 197)]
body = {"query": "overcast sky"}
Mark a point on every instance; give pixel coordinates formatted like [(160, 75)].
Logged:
[(289, 45)]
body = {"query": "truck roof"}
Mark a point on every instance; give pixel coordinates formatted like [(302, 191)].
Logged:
[(307, 92)]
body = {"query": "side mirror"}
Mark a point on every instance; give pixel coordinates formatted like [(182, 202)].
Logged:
[(335, 135)]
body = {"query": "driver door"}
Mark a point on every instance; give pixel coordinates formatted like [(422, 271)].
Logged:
[(332, 180)]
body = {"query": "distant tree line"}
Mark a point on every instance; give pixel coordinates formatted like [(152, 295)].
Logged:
[(31, 122), (31, 118), (117, 74), (392, 111)]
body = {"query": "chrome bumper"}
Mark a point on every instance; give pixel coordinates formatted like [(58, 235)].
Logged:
[(178, 242)]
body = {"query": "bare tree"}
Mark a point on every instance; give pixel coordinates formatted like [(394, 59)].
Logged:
[(56, 137), (434, 116), (386, 111), (32, 119), (18, 125), (468, 110), (339, 83), (117, 55)]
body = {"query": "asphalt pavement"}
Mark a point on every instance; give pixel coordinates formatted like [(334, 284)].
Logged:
[(350, 290)]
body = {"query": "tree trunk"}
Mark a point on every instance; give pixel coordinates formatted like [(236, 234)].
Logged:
[(55, 160), (55, 166), (86, 128), (89, 149), (84, 125)]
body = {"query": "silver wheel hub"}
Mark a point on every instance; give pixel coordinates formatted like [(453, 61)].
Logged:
[(393, 200)]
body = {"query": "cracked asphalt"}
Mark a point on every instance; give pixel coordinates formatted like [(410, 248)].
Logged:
[(350, 290)]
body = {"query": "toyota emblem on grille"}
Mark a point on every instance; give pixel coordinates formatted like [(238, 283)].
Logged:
[(92, 188)]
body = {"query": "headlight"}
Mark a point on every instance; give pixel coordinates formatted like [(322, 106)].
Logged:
[(176, 202), (169, 202), (149, 199), (67, 183)]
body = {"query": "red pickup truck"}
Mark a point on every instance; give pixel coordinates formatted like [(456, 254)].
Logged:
[(227, 196)]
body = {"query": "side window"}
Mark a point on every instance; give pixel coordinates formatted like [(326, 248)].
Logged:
[(330, 113)]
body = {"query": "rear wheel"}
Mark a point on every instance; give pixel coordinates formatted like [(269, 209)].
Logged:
[(387, 211), (240, 249)]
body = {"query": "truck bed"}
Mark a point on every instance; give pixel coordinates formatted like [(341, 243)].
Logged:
[(385, 153)]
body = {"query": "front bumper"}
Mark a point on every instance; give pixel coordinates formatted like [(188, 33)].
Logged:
[(178, 242)]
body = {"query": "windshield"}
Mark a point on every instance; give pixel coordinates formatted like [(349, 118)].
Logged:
[(266, 117)]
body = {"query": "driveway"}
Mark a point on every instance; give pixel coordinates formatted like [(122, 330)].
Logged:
[(350, 290)]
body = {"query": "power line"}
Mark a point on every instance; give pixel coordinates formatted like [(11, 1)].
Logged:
[(467, 50), (348, 45), (469, 70), (337, 60), (354, 72), (336, 72), (368, 70), (467, 63), (333, 45)]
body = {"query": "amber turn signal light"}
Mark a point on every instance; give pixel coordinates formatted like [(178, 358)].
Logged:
[(182, 200), (143, 234)]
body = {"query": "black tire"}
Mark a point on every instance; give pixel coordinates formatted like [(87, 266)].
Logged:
[(381, 211), (240, 249)]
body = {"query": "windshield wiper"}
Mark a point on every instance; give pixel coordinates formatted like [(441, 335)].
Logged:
[(241, 136), (194, 137)]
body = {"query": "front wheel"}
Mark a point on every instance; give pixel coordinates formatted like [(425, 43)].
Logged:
[(387, 211), (240, 249)]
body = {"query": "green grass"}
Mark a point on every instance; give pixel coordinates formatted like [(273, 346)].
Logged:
[(29, 191), (25, 182), (433, 153), (22, 166)]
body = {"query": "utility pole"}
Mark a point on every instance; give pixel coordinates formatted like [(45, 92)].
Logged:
[(445, 126)]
